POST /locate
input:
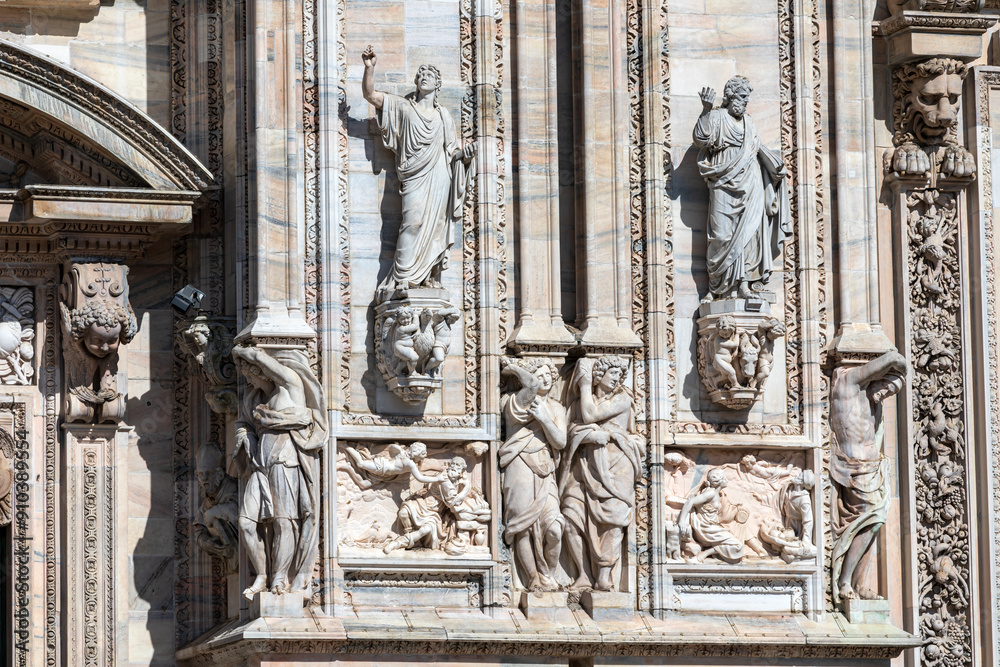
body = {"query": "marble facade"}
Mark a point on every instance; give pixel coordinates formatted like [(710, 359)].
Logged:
[(569, 332)]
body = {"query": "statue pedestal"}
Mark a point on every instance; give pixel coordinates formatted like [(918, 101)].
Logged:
[(546, 605), (609, 606), (867, 612), (286, 605), (736, 349), (97, 543), (413, 332)]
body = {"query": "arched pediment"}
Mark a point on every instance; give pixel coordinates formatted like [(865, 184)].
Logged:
[(61, 128)]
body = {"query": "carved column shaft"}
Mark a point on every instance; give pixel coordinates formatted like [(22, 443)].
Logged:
[(603, 139)]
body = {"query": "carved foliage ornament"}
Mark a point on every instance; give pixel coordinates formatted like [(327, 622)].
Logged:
[(938, 420), (96, 319), (17, 335), (927, 100)]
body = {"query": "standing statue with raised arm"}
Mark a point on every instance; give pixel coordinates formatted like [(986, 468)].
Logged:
[(282, 427), (433, 175), (858, 467), (749, 218)]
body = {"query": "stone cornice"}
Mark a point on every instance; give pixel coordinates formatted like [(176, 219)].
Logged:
[(934, 22)]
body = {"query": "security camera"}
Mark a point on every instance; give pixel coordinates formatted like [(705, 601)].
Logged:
[(187, 297)]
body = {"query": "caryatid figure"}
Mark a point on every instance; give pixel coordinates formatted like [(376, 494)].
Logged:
[(858, 467), (282, 427), (433, 175), (749, 218)]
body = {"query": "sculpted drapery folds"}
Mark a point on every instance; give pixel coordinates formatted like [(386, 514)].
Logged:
[(858, 467), (215, 528), (599, 470), (433, 175), (536, 434), (282, 427), (749, 215)]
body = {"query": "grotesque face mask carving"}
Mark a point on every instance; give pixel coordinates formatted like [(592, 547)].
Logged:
[(930, 95)]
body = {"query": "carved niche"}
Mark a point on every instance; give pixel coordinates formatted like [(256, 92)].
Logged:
[(721, 506), (208, 341), (927, 101), (414, 317), (17, 335), (97, 318), (749, 222), (412, 498)]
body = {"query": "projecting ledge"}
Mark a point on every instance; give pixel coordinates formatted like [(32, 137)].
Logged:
[(458, 632)]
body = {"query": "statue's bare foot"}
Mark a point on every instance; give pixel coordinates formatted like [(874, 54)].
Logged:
[(709, 298), (744, 291), (580, 583), (866, 593), (603, 582), (392, 546), (279, 586), (259, 584), (847, 592), (547, 583)]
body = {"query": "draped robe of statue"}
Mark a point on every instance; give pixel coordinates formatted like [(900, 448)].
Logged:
[(432, 187), (284, 464), (530, 493), (749, 216), (598, 489)]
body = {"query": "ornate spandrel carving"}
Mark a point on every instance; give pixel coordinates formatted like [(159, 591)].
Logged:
[(17, 335), (928, 100), (281, 429), (749, 219), (736, 352), (859, 469), (208, 341), (535, 423), (96, 319), (413, 336), (599, 471), (732, 509), (400, 498), (216, 527)]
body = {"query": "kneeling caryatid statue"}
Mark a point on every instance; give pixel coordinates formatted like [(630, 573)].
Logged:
[(599, 471), (216, 527), (859, 468), (749, 221), (535, 423), (281, 429), (434, 175), (97, 318)]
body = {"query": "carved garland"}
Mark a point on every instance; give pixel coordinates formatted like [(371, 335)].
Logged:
[(938, 416)]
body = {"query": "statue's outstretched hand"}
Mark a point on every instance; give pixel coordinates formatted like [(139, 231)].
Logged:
[(707, 98), (368, 57)]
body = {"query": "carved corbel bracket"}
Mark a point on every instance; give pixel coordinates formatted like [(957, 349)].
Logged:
[(412, 336), (96, 319), (736, 350), (208, 342), (927, 102)]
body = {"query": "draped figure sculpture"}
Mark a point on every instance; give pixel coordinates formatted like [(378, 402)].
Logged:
[(599, 471), (749, 218), (536, 434), (433, 175), (281, 429), (859, 469)]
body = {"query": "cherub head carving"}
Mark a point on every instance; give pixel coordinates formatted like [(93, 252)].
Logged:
[(101, 325), (927, 100)]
